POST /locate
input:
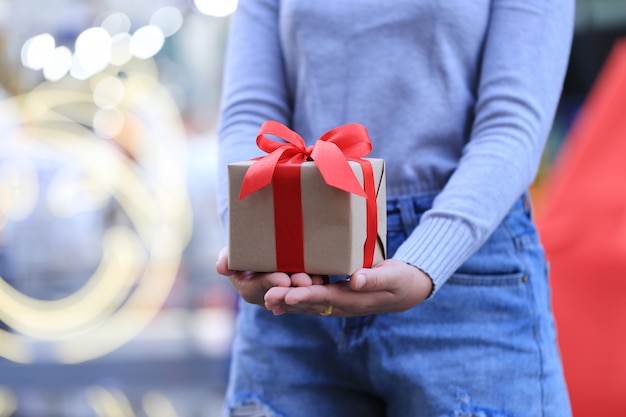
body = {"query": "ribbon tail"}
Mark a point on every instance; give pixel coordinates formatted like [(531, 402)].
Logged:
[(369, 186), (260, 173), (335, 168)]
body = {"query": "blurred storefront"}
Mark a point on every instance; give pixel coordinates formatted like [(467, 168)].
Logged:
[(109, 303)]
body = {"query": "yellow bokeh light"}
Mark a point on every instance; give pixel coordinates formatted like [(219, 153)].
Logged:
[(120, 49), (108, 92), (109, 402), (156, 404), (8, 402)]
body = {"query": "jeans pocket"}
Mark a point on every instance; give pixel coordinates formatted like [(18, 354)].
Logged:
[(487, 280), (501, 260)]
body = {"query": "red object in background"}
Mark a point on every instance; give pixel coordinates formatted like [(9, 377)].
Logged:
[(583, 228)]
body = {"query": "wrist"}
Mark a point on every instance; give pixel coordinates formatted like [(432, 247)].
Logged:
[(427, 278)]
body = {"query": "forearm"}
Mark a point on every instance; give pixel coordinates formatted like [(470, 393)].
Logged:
[(523, 69), (254, 88)]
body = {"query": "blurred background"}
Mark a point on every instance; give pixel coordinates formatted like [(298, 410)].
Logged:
[(109, 303)]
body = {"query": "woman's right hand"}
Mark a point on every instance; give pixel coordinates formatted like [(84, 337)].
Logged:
[(252, 286)]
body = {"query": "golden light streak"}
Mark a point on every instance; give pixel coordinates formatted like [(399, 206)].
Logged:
[(8, 402), (156, 404), (109, 402), (100, 296), (141, 169)]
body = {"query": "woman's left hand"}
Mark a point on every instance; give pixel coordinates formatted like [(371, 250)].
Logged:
[(390, 286)]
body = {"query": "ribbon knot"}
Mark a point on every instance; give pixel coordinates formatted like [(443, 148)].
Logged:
[(331, 154)]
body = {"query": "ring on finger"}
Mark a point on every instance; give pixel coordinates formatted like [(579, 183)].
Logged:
[(328, 311)]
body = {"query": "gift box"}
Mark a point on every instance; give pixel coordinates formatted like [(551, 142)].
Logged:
[(308, 210)]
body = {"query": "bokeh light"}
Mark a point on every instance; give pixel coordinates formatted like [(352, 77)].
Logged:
[(217, 8), (156, 404), (108, 92), (59, 64), (120, 49), (8, 402), (37, 51), (92, 52), (146, 42), (116, 23), (168, 19)]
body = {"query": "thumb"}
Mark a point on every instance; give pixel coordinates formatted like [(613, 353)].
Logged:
[(368, 279)]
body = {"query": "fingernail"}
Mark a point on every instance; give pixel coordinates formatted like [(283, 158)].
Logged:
[(359, 281)]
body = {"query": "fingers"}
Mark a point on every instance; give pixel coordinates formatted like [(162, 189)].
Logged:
[(221, 266), (305, 280), (274, 299), (300, 280), (315, 299), (319, 279), (309, 300), (252, 286), (280, 299)]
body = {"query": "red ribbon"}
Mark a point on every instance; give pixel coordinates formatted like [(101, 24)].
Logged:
[(331, 154)]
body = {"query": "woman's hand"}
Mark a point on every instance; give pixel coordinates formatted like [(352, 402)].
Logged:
[(390, 286), (253, 286)]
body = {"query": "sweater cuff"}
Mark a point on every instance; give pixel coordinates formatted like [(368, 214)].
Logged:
[(438, 246)]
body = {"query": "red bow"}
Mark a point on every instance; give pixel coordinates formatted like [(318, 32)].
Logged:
[(331, 153)]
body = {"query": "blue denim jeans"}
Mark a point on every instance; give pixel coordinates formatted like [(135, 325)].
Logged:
[(483, 346)]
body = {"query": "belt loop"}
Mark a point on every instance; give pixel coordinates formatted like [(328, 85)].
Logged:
[(407, 214), (528, 206)]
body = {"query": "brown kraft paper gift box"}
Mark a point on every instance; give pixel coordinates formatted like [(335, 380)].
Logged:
[(334, 223)]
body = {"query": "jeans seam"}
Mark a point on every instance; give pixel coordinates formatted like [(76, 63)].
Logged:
[(536, 326)]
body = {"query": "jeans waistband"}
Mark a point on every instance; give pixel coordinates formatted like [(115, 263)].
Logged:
[(422, 202)]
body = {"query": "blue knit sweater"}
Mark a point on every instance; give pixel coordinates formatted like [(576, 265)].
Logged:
[(458, 97)]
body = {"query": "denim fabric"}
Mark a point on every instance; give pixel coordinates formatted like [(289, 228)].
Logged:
[(483, 346)]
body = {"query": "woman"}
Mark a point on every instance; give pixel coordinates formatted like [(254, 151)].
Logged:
[(458, 97)]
